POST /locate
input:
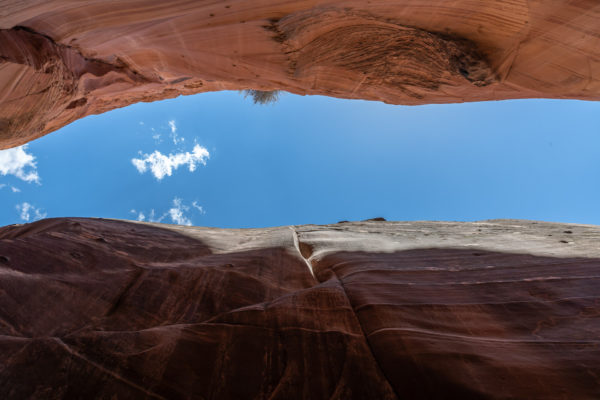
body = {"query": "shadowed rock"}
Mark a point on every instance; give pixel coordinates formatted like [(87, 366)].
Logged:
[(495, 309)]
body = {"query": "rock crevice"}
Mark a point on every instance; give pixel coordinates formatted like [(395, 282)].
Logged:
[(57, 76)]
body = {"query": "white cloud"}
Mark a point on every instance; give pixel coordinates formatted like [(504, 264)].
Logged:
[(13, 188), (156, 136), (152, 217), (27, 212), (140, 216), (18, 162), (161, 165), (176, 139), (198, 207), (177, 213)]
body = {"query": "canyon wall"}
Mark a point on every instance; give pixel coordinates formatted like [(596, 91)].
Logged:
[(99, 309), (61, 60)]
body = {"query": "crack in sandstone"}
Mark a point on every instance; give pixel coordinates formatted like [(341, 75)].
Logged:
[(303, 251), (484, 339), (134, 283), (364, 334)]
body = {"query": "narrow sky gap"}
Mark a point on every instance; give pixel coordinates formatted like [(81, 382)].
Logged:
[(217, 159)]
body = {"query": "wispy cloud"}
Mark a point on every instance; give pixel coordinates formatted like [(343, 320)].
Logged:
[(139, 215), (13, 188), (156, 136), (163, 165), (28, 212), (178, 213), (18, 162), (198, 207), (176, 139)]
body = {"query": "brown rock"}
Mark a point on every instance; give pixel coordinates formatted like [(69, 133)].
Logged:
[(101, 309), (60, 61)]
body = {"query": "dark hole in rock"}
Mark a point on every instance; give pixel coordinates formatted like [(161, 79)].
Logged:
[(77, 103)]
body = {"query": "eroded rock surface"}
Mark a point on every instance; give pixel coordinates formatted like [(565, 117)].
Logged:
[(101, 309), (62, 60)]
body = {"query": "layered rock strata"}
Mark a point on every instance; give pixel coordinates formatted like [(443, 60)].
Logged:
[(62, 60), (101, 309)]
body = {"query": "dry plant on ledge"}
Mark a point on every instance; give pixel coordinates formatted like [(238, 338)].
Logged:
[(263, 96)]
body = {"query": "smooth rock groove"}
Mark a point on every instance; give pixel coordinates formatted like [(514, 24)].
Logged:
[(98, 309), (61, 60)]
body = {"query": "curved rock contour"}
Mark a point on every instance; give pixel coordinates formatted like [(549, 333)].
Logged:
[(379, 310), (62, 60)]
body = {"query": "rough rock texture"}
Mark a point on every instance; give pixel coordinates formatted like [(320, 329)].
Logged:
[(61, 60), (102, 309)]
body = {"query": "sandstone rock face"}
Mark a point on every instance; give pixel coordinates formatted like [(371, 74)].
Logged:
[(101, 309), (62, 60)]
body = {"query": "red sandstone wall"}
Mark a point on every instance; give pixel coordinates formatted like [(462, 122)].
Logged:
[(97, 309)]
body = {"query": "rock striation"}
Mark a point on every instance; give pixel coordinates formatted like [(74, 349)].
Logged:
[(101, 309), (62, 60)]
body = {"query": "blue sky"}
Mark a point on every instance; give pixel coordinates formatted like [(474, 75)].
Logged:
[(312, 160)]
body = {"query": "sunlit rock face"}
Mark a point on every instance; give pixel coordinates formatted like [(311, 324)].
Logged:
[(62, 60), (101, 309)]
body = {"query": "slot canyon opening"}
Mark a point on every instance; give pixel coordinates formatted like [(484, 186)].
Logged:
[(222, 159)]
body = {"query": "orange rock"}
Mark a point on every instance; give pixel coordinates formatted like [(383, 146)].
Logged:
[(60, 61)]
